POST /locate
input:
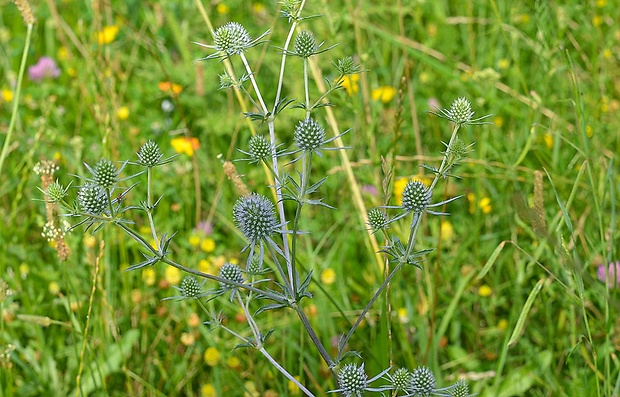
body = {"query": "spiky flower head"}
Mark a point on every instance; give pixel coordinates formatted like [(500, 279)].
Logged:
[(346, 66), (377, 220), (309, 135), (149, 154), (352, 380), (232, 38), (255, 216), (459, 389), (227, 81), (401, 379), (230, 272), (460, 111), (305, 44), (190, 288), (422, 382), (416, 197), (105, 173), (260, 148), (56, 192), (92, 199)]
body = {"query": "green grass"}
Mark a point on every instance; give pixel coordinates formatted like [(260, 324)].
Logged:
[(549, 326)]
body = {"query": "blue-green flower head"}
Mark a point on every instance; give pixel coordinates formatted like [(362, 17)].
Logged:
[(255, 216), (459, 389), (352, 380), (92, 199), (149, 154), (416, 197), (401, 379), (230, 272), (309, 135), (232, 38), (422, 382), (105, 173), (305, 45), (190, 288)]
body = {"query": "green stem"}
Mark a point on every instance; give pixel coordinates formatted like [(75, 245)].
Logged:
[(20, 78)]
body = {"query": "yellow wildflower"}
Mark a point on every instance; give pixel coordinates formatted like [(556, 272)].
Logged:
[(149, 276), (503, 64), (548, 137), (7, 95), (503, 324), (601, 3), (447, 230), (107, 35), (258, 8), (185, 145), (250, 389), (349, 82), (24, 269), (522, 18), (328, 276), (207, 245), (222, 9), (187, 339), (194, 241), (589, 131), (607, 54), (122, 113), (172, 275), (90, 241), (204, 266), (233, 362), (597, 20), (498, 121), (62, 53), (212, 356), (402, 315), (484, 291), (485, 205), (385, 94), (219, 261), (53, 287), (208, 390)]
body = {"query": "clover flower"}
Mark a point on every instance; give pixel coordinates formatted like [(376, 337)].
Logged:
[(609, 274), (45, 68)]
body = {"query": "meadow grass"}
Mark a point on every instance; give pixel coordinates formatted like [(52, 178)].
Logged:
[(509, 299)]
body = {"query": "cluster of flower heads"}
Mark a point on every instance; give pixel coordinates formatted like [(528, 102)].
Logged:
[(353, 382)]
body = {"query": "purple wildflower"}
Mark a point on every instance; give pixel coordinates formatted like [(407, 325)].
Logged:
[(45, 68), (611, 276), (369, 189), (204, 227), (433, 104)]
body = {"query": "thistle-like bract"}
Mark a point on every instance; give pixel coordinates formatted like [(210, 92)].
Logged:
[(416, 197), (149, 154), (422, 382), (352, 380), (309, 135), (232, 38), (255, 216)]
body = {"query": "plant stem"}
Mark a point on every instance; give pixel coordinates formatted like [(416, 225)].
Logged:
[(20, 77)]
